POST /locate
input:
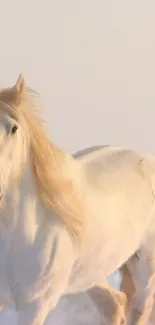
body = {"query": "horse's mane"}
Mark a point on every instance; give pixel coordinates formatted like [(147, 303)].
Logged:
[(53, 169)]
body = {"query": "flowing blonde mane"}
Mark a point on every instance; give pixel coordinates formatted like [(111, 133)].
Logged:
[(52, 168)]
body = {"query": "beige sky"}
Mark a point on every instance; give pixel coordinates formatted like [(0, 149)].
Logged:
[(93, 62)]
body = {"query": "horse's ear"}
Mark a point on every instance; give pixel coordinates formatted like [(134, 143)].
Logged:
[(19, 87)]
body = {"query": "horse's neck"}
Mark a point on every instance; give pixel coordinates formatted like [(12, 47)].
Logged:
[(24, 211)]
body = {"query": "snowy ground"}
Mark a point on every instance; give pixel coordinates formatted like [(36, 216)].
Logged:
[(76, 309)]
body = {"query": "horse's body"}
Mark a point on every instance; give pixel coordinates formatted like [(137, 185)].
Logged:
[(105, 246), (110, 179), (65, 223)]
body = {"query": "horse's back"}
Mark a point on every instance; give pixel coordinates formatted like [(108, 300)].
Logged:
[(110, 155), (106, 162), (117, 177)]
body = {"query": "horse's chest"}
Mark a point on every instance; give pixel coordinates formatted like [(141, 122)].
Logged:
[(5, 279), (20, 267)]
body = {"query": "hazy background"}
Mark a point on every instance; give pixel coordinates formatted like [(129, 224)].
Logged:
[(93, 61)]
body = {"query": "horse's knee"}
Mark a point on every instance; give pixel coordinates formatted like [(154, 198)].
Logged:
[(110, 303), (2, 306), (33, 313)]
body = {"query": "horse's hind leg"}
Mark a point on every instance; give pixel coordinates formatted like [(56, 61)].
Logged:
[(152, 317), (127, 285), (143, 273), (110, 303)]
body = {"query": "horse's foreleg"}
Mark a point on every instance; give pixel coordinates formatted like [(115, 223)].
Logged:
[(33, 313), (51, 284), (152, 317), (110, 303), (143, 273), (128, 287)]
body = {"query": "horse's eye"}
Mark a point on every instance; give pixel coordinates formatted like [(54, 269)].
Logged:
[(14, 129)]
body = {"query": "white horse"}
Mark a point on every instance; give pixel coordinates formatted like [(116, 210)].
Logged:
[(65, 223)]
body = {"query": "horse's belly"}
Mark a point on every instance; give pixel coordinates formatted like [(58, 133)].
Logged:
[(106, 251), (95, 268)]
